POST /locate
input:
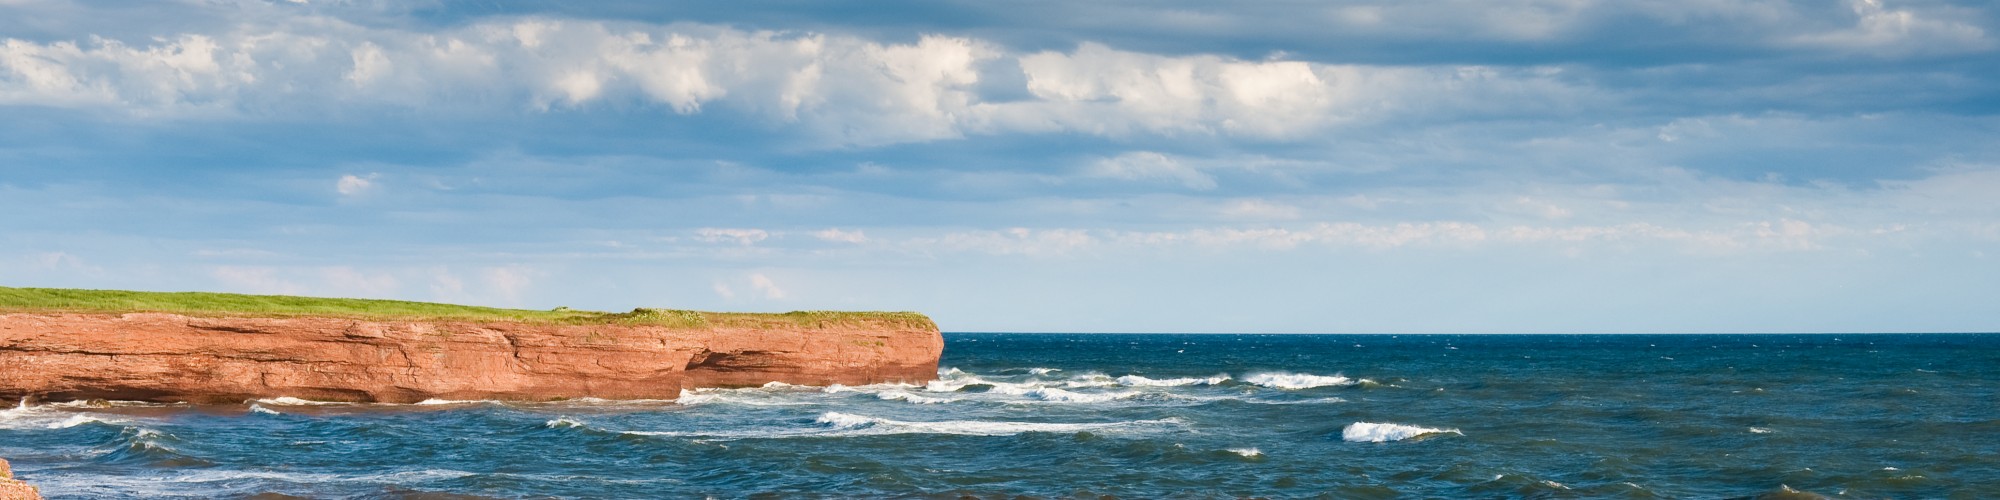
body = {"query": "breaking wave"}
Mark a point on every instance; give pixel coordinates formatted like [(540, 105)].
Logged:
[(1366, 432), (1139, 381), (1296, 381)]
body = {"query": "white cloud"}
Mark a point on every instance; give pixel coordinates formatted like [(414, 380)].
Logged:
[(1882, 31), (844, 90), (355, 185), (349, 282), (1260, 210), (510, 282), (764, 285), (255, 280), (732, 235), (1146, 165), (840, 236), (723, 290)]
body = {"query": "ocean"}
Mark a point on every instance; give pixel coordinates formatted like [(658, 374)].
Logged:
[(1130, 416)]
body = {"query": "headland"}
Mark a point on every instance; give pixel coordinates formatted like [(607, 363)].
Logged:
[(65, 344)]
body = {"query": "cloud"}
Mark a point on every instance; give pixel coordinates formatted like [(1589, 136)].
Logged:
[(1883, 31), (355, 185), (264, 280), (744, 237), (764, 285), (840, 236), (1146, 165), (510, 282), (723, 290)]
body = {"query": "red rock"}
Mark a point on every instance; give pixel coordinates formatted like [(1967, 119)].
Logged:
[(11, 489), (170, 357)]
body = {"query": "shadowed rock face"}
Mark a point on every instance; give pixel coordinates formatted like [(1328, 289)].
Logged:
[(170, 357)]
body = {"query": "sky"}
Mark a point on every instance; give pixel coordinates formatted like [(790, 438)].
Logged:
[(1444, 166)]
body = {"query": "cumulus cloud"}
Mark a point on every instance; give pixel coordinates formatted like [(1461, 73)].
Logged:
[(843, 90)]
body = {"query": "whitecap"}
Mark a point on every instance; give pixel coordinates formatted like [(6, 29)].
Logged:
[(1282, 380), (861, 424), (1247, 452), (1365, 432), (1313, 401), (292, 401), (1043, 371), (912, 398), (1055, 395), (566, 423), (254, 408), (1141, 381), (76, 420), (1760, 430)]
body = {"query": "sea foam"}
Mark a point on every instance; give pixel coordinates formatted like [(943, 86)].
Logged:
[(1140, 381), (1366, 432), (1282, 380)]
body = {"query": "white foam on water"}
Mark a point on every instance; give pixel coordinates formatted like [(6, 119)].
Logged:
[(1090, 379), (76, 420), (1054, 395), (861, 424), (292, 401), (255, 408), (439, 402), (1043, 371), (747, 397), (1759, 430), (566, 423), (1247, 452), (1140, 381), (1313, 401), (912, 398), (1366, 432), (1282, 380)]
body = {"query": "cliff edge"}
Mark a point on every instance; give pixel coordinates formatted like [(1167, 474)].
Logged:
[(11, 489), (366, 355)]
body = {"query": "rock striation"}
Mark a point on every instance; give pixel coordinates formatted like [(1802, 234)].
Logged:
[(171, 357), (11, 489)]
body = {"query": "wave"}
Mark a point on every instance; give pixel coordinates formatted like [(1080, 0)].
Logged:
[(862, 424), (912, 398), (1140, 381), (565, 423), (1313, 401), (292, 401), (1365, 432), (1043, 371), (757, 396), (1247, 452), (254, 408), (1294, 381)]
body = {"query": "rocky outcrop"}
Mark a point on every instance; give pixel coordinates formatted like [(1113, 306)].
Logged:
[(170, 357), (11, 489)]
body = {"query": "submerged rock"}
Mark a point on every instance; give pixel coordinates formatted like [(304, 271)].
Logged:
[(171, 357)]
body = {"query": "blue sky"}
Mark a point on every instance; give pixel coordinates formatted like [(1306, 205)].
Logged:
[(1364, 166)]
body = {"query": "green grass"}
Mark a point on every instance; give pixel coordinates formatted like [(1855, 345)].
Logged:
[(231, 304)]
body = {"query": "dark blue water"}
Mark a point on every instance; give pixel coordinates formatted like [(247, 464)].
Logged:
[(1133, 416)]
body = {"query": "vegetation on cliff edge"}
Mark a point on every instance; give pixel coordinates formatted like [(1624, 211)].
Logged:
[(231, 304)]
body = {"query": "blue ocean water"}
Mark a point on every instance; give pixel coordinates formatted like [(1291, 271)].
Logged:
[(1131, 416)]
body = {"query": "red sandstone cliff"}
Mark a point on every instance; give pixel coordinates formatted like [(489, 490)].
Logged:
[(11, 489), (170, 357)]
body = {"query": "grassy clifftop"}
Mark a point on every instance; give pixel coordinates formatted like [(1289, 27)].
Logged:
[(231, 304)]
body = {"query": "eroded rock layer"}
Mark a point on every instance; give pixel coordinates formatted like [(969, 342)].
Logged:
[(170, 357), (11, 489)]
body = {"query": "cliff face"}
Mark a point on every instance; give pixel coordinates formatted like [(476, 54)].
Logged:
[(11, 489), (169, 357)]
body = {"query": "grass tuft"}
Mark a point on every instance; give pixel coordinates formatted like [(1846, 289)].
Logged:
[(18, 300)]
